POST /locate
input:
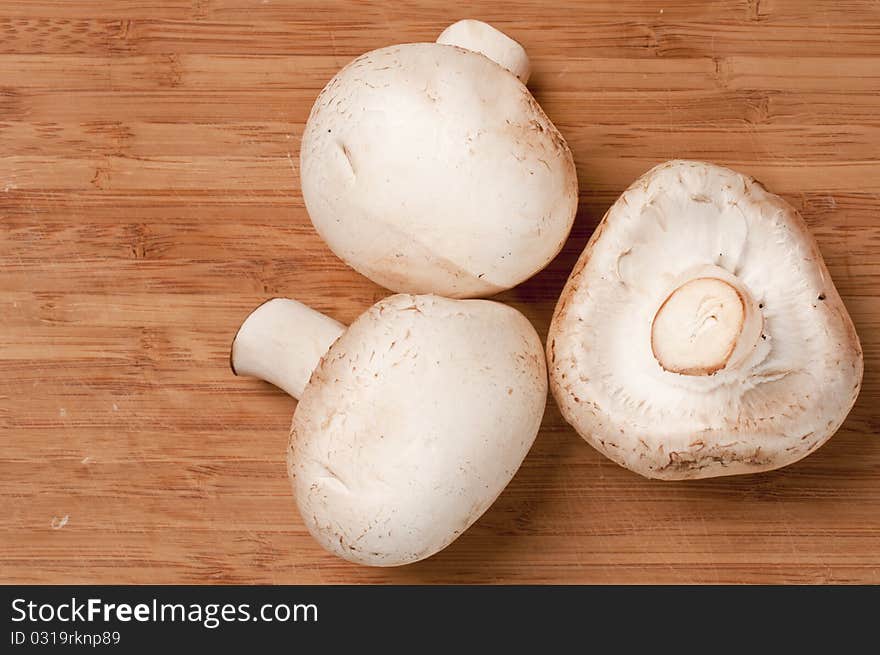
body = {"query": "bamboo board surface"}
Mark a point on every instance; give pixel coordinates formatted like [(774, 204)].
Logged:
[(149, 198)]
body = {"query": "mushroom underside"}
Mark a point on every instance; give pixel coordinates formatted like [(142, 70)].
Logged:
[(700, 334)]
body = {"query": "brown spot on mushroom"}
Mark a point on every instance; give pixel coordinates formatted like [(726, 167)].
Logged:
[(347, 155)]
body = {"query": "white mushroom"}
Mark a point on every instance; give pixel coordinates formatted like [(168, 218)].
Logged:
[(414, 420), (700, 333), (429, 167)]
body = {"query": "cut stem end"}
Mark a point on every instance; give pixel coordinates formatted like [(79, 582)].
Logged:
[(496, 45), (705, 325)]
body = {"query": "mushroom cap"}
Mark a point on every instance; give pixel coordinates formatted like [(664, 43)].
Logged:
[(431, 169), (414, 421), (767, 402)]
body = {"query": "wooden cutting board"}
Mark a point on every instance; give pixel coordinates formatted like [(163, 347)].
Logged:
[(149, 198)]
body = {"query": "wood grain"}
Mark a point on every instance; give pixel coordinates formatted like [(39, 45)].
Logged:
[(149, 198)]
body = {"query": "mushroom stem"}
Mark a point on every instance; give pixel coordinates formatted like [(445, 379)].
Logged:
[(281, 342), (496, 45), (707, 323)]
